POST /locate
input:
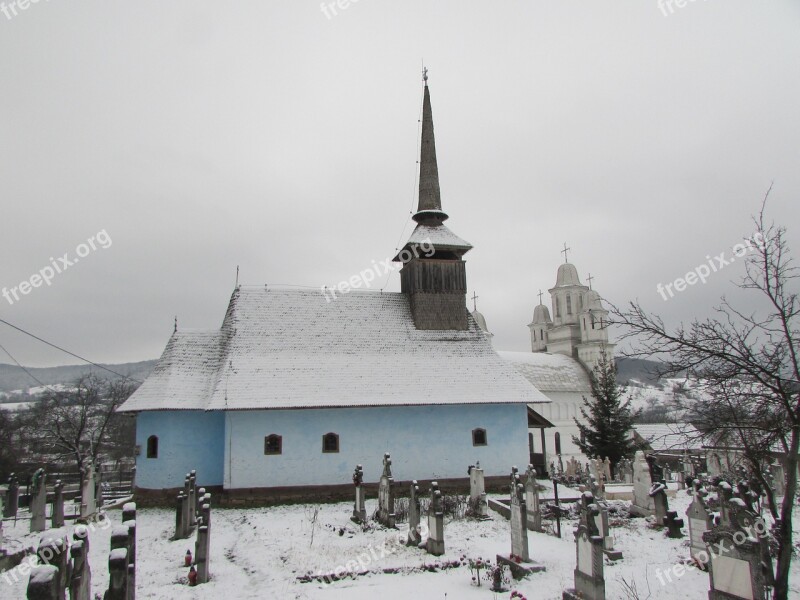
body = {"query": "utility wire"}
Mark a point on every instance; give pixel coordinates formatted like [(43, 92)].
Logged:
[(86, 360), (31, 375)]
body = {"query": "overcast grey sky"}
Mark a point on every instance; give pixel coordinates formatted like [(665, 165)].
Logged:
[(201, 135)]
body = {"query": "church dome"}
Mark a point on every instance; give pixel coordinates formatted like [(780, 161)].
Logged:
[(481, 320), (541, 314), (567, 275), (593, 300)]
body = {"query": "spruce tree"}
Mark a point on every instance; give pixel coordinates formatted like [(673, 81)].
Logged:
[(608, 417)]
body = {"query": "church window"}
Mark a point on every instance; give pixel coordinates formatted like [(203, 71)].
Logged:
[(273, 444), (580, 303), (558, 443), (558, 308), (569, 304), (330, 443), (479, 437), (152, 446)]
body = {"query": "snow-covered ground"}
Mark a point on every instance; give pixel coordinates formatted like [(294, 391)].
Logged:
[(260, 553)]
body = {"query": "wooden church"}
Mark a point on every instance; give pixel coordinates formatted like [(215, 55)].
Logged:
[(293, 391)]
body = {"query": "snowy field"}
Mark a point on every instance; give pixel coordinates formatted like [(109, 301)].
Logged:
[(261, 552)]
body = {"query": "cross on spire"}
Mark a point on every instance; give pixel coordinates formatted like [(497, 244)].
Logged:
[(589, 279), (564, 252), (425, 75), (540, 296), (474, 300)]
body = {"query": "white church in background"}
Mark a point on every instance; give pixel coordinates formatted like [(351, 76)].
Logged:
[(565, 348)]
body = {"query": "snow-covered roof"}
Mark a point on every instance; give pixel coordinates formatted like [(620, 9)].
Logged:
[(440, 236), (670, 436), (296, 349), (550, 372)]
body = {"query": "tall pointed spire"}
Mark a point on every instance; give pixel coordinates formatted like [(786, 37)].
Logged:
[(430, 197)]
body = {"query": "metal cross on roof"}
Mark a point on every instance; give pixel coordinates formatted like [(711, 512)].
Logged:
[(564, 252), (540, 296), (589, 279), (474, 299), (425, 74)]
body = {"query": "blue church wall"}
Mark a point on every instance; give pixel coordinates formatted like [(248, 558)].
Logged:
[(186, 440), (426, 442)]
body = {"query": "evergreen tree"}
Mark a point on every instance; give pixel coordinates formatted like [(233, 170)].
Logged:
[(608, 417)]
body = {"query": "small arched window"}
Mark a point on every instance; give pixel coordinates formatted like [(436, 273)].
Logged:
[(330, 443), (152, 446), (273, 444), (479, 437), (569, 304), (558, 443), (558, 307)]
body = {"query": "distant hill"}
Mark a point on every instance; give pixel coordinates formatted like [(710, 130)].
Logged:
[(13, 378), (637, 368)]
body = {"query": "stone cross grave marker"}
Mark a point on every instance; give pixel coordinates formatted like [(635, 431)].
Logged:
[(359, 511), (658, 492), (39, 501), (604, 531), (589, 581), (699, 522), (435, 542), (386, 514), (607, 469), (477, 492), (57, 515), (534, 510), (519, 562), (414, 537), (643, 504), (739, 565)]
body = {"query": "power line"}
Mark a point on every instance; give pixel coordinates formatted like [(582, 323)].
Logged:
[(86, 360), (31, 375)]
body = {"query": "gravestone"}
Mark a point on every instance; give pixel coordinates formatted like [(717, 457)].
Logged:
[(123, 558), (359, 512), (779, 478), (477, 492), (589, 581), (118, 575), (414, 537), (53, 550), (699, 522), (658, 492), (192, 498), (643, 504), (572, 467), (80, 584), (181, 516), (519, 561), (435, 542), (186, 511), (681, 480), (607, 469), (656, 471), (673, 524), (11, 505), (202, 546), (534, 520), (739, 565), (39, 501), (88, 490), (57, 515), (129, 521), (604, 531), (386, 515), (43, 583), (667, 473)]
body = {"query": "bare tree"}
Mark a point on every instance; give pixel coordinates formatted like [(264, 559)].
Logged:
[(74, 424), (748, 365)]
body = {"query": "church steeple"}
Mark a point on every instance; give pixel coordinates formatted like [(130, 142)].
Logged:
[(434, 273), (429, 209)]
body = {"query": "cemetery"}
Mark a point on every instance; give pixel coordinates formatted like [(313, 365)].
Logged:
[(705, 541)]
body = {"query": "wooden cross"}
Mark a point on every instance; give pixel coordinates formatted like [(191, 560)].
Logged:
[(564, 252), (589, 279), (474, 298), (540, 296)]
